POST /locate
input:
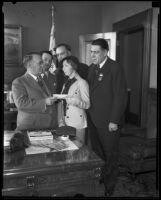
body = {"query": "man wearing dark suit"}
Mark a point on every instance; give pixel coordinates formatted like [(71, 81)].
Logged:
[(105, 116), (48, 77), (63, 50), (36, 108)]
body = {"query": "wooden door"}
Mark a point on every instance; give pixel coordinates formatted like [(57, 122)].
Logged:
[(133, 53)]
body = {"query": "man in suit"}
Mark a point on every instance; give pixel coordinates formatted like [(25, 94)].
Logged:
[(48, 77), (36, 109), (105, 116), (63, 50)]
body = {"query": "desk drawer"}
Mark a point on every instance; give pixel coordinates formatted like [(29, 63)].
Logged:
[(62, 184)]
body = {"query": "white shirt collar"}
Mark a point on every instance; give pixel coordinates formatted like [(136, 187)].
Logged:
[(35, 77), (102, 63)]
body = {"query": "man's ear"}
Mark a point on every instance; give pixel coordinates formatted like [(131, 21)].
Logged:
[(105, 52), (29, 64), (69, 53)]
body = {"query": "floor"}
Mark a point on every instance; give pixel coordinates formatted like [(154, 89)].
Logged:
[(143, 186)]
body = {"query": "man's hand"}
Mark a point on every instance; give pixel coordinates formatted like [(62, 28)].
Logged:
[(112, 127), (50, 100)]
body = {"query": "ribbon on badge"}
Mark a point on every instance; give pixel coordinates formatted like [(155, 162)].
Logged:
[(100, 77)]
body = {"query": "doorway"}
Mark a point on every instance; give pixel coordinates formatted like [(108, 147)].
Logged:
[(133, 53)]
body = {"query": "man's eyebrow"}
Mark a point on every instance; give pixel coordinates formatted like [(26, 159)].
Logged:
[(94, 51), (59, 53)]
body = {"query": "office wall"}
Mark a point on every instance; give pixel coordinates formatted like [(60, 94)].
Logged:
[(71, 20)]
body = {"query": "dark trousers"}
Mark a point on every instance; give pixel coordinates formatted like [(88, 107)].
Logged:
[(106, 144)]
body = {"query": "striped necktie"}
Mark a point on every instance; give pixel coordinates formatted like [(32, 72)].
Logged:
[(43, 85)]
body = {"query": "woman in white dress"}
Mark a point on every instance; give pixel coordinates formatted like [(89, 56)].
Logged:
[(71, 110)]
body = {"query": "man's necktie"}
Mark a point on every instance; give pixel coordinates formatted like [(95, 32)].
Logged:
[(97, 69), (43, 85), (96, 74)]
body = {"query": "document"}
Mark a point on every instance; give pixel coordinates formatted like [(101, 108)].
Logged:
[(40, 134), (44, 142)]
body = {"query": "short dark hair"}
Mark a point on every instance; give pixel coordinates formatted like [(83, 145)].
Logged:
[(102, 43), (64, 45), (72, 60), (48, 52), (28, 57)]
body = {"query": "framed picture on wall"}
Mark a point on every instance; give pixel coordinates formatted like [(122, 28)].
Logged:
[(12, 45)]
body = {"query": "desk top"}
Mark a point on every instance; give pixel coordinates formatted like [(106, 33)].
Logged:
[(21, 163)]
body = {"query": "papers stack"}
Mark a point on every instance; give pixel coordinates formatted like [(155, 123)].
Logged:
[(43, 141), (40, 135)]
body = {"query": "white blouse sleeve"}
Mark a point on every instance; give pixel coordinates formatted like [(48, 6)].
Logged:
[(83, 102)]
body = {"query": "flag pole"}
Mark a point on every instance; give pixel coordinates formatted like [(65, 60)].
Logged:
[(52, 14), (52, 33), (52, 43)]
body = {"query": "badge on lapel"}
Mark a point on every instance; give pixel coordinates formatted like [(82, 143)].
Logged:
[(100, 77)]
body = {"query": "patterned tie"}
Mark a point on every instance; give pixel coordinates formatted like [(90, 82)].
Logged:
[(96, 74), (43, 85), (97, 69)]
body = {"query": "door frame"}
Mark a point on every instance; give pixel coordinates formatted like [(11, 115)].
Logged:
[(140, 20)]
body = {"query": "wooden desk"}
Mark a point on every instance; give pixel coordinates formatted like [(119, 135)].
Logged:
[(65, 173), (10, 118)]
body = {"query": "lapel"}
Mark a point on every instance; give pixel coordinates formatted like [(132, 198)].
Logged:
[(103, 71), (33, 83), (91, 74), (46, 87)]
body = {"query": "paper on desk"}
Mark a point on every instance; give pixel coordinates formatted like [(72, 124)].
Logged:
[(48, 145), (39, 133), (35, 150)]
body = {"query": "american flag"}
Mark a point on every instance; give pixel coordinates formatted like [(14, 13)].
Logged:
[(52, 43)]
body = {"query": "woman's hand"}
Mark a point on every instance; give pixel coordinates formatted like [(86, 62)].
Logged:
[(50, 100), (61, 124)]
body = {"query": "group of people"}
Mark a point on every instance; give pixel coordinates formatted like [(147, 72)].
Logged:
[(94, 99)]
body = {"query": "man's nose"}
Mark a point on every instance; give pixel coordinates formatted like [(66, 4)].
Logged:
[(58, 57), (42, 65), (92, 55)]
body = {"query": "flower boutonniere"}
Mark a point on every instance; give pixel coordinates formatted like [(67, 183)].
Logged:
[(100, 77)]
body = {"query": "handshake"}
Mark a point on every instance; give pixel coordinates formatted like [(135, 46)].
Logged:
[(50, 100)]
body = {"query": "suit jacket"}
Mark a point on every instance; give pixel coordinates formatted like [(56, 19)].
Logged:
[(51, 82), (83, 70), (107, 94), (30, 102), (60, 80), (76, 105)]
